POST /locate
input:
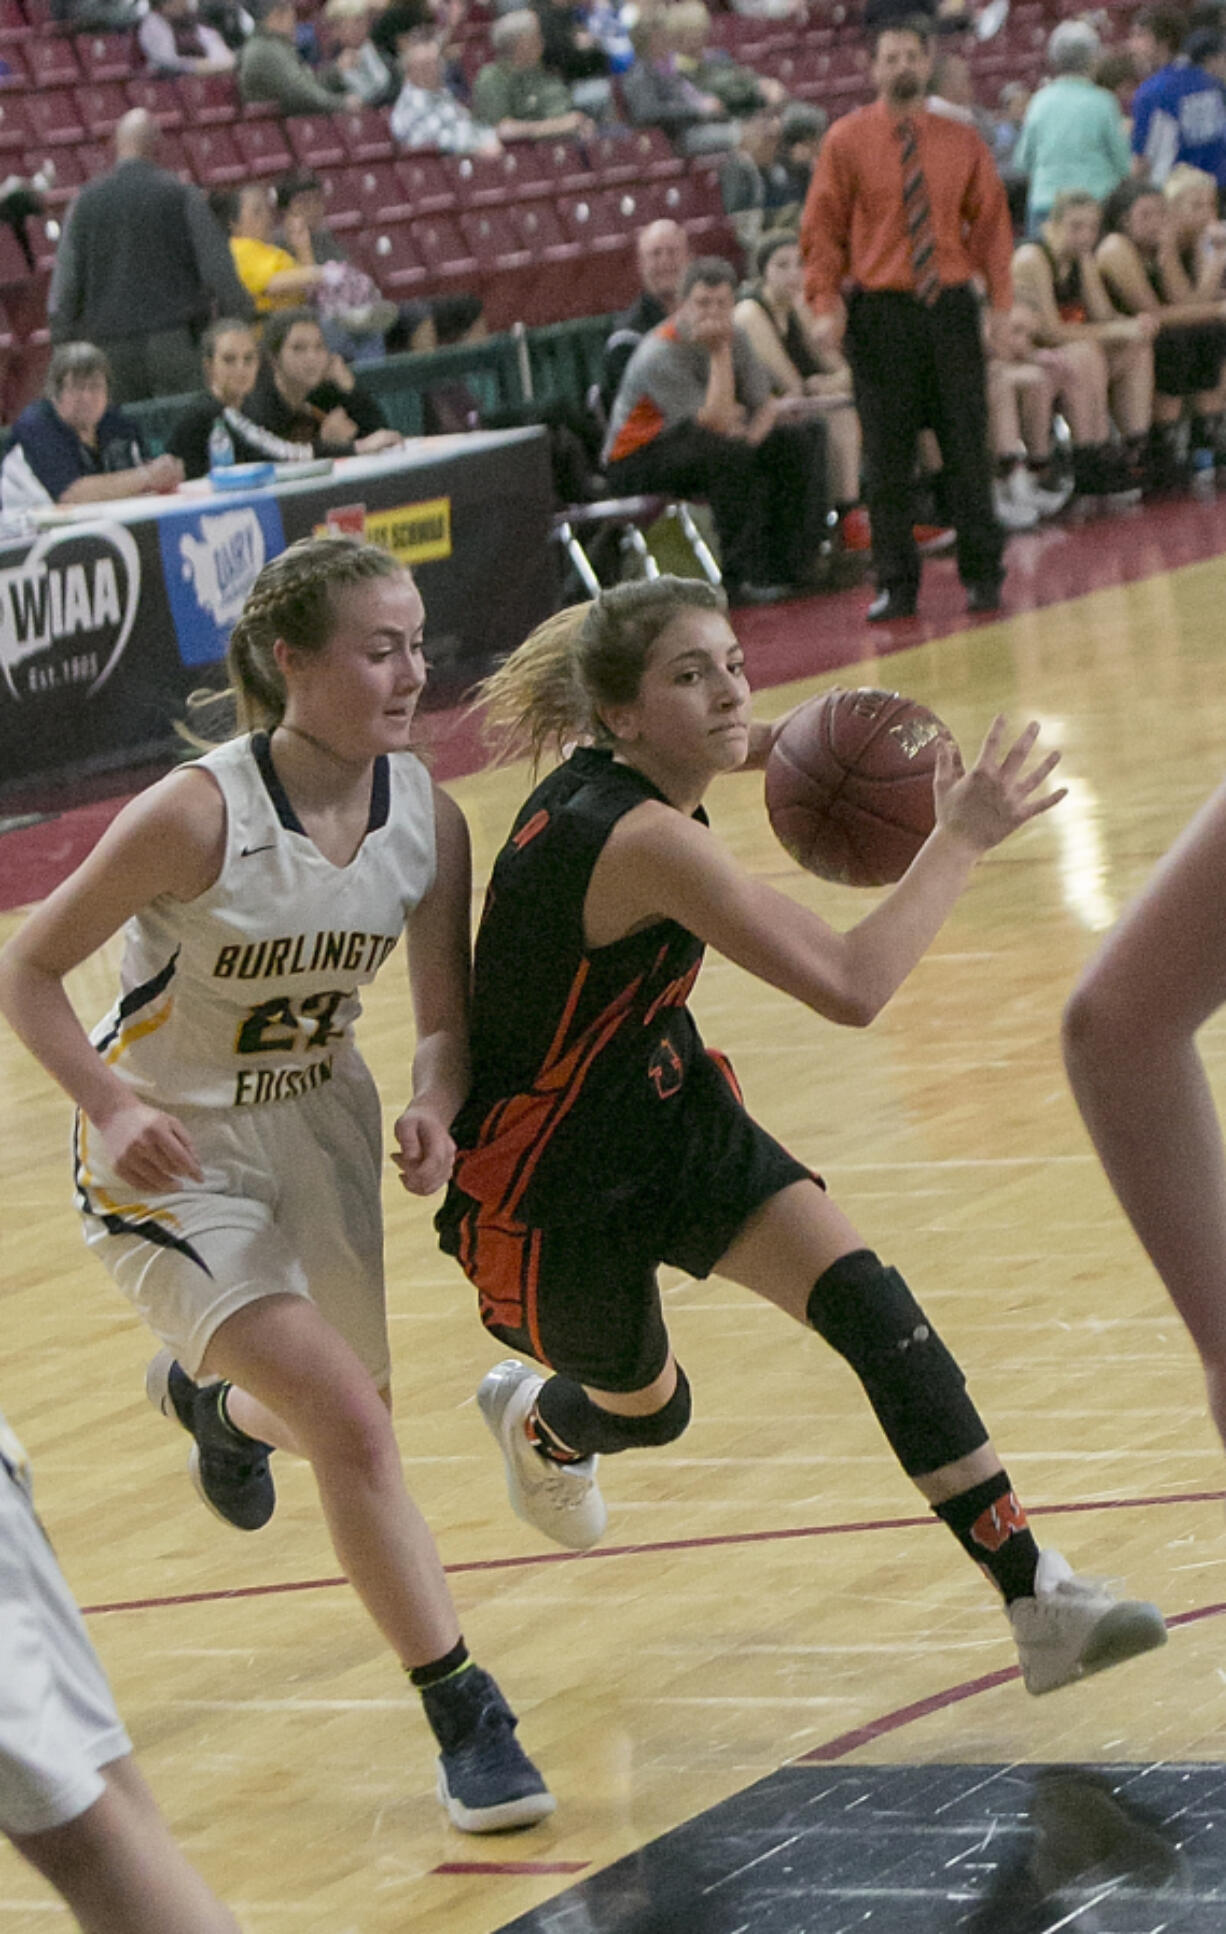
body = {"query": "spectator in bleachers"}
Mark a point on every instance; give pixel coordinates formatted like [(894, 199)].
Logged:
[(1007, 125), (951, 91), (1155, 38), (73, 447), (1116, 72), (305, 394), (662, 250), (140, 269), (801, 127), (572, 51), (712, 69), (427, 113), (758, 190), (1073, 135), (608, 22), (356, 318), (1112, 355), (274, 277), (356, 65), (174, 40), (229, 18), (694, 416), (797, 10), (231, 358), (1145, 274), (270, 68), (514, 95), (657, 95), (1179, 113), (808, 375)]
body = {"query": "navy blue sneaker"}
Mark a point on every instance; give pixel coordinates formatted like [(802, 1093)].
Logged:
[(228, 1468), (485, 1779)]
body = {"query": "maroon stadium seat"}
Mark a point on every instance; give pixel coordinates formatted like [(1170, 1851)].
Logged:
[(263, 146), (366, 134), (54, 116), (316, 140), (159, 97), (214, 160)]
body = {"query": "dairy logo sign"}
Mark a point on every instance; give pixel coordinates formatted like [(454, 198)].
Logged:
[(67, 610), (210, 560)]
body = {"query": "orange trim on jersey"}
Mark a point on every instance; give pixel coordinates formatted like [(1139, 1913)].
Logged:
[(137, 1031), (568, 1015), (516, 1132), (641, 427), (529, 830), (531, 1286)]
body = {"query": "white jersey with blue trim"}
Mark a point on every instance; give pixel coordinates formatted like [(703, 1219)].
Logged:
[(248, 994)]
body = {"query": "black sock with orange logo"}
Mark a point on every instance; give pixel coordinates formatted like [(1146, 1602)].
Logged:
[(991, 1527)]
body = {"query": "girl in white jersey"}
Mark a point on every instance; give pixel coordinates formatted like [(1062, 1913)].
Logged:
[(228, 1136)]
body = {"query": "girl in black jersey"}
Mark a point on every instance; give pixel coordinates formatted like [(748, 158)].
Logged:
[(600, 1138)]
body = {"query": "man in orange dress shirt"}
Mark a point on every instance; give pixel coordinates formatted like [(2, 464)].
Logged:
[(904, 209)]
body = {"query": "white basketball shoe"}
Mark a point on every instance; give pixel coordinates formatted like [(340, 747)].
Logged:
[(1075, 1626), (562, 1500)]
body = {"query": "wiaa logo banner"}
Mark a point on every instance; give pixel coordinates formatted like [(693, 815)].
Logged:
[(67, 610)]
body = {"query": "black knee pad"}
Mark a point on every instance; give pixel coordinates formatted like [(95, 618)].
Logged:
[(569, 1415), (866, 1312)]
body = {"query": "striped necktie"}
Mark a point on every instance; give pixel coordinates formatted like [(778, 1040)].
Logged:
[(917, 212)]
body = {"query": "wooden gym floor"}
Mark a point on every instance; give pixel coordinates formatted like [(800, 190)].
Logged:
[(773, 1609)]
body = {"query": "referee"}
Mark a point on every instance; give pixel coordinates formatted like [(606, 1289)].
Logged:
[(905, 207)]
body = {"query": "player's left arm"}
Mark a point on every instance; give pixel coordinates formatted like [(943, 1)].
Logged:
[(440, 965)]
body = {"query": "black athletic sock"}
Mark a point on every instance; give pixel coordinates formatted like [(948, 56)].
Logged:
[(447, 1667), (991, 1527)]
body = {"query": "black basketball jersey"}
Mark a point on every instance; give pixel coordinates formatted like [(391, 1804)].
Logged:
[(577, 1052)]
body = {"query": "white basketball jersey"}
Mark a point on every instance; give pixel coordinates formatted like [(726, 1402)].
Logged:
[(248, 995)]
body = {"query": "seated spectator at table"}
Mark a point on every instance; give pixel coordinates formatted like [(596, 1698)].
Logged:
[(427, 114), (514, 95), (662, 250), (1179, 113), (71, 447), (274, 278), (694, 417), (1073, 136), (712, 69), (356, 67), (305, 394), (779, 328), (270, 67), (657, 95), (231, 359), (757, 189), (174, 40), (1058, 279), (1145, 274)]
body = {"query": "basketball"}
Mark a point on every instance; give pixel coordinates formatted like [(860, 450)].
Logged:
[(849, 785)]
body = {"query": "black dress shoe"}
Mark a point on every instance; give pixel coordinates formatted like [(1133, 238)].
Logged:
[(983, 595), (890, 604)]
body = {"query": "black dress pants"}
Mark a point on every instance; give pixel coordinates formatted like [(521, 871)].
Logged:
[(917, 368), (768, 499)]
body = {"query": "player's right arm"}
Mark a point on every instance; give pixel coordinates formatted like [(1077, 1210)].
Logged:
[(659, 864), (168, 840)]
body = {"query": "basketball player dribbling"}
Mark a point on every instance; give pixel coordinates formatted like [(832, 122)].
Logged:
[(228, 1133), (600, 1139)]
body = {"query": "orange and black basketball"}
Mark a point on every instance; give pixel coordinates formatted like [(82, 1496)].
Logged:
[(849, 784)]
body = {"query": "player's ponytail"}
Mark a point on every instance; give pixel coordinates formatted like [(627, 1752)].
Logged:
[(551, 691)]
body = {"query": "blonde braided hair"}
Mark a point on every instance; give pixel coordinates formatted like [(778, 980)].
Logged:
[(292, 599), (550, 691)]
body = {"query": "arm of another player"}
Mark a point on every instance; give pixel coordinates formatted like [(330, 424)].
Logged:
[(168, 840), (660, 864), (440, 964), (1130, 1049)]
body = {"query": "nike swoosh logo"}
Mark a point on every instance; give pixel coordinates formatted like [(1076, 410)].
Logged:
[(249, 850)]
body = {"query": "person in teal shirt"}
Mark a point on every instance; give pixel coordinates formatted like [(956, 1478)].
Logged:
[(1073, 135)]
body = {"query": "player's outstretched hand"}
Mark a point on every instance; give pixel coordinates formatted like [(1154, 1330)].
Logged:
[(147, 1149), (425, 1151), (999, 793)]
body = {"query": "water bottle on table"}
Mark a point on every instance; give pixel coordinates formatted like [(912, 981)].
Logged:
[(221, 446)]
